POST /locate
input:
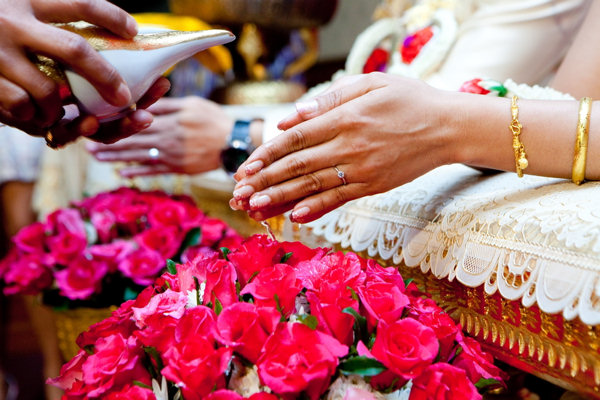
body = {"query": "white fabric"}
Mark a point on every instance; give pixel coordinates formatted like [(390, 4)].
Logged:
[(19, 155)]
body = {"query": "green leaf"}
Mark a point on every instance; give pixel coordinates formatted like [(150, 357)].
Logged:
[(192, 238), (218, 305), (130, 294), (484, 383), (360, 323), (354, 295), (308, 320), (286, 257), (361, 365), (197, 284), (253, 276), (172, 267), (141, 384), (408, 282), (279, 309), (225, 251), (153, 353)]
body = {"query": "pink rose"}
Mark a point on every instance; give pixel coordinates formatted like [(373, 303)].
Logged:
[(31, 239), (118, 323), (27, 274), (81, 278), (245, 328), (66, 220), (131, 217), (130, 392), (167, 213), (70, 373), (166, 240), (276, 282), (116, 361), (441, 381), (301, 252), (297, 359), (169, 303), (141, 265), (383, 302), (337, 270), (105, 223), (427, 312), (406, 347), (263, 396), (196, 321), (213, 230), (111, 253), (196, 366), (67, 246), (475, 362)]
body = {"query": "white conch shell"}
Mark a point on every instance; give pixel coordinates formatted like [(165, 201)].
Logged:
[(141, 64)]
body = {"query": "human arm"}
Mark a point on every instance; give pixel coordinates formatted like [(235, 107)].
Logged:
[(29, 100), (189, 134)]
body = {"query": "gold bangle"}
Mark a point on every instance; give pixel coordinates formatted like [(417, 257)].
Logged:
[(581, 140), (515, 127)]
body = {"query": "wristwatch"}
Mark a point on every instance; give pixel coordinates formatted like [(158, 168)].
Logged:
[(239, 146)]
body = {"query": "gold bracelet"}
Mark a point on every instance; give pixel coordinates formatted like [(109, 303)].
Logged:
[(515, 127), (581, 140)]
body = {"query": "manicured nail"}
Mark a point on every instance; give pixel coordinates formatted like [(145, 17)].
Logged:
[(307, 107), (260, 201), (254, 167), (131, 26), (123, 95), (234, 205), (103, 156), (300, 213), (243, 192)]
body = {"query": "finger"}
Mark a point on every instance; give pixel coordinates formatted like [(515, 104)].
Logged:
[(320, 204), (156, 91), (295, 190), (167, 105), (73, 50), (112, 131), (340, 92), (271, 212), (133, 155), (97, 12), (66, 131), (144, 170), (16, 68), (15, 101), (302, 136), (303, 163)]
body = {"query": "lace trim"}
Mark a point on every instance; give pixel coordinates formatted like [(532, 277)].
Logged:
[(534, 239)]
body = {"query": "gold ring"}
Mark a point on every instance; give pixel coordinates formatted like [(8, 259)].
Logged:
[(50, 140)]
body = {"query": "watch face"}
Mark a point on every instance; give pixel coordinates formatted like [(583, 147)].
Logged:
[(232, 158)]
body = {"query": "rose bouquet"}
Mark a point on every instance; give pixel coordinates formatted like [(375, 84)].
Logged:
[(107, 248), (278, 320)]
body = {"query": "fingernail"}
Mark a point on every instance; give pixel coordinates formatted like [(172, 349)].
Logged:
[(101, 156), (123, 95), (300, 213), (260, 201), (244, 192), (132, 26), (307, 107), (254, 167)]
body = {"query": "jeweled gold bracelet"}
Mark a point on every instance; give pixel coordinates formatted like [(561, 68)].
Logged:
[(581, 140), (515, 127)]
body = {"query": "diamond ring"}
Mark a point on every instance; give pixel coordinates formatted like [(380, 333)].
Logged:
[(341, 175)]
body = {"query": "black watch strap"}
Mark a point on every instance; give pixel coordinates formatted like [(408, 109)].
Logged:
[(239, 146)]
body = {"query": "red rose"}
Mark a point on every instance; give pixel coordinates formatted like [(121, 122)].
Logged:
[(81, 278), (196, 366), (26, 274), (427, 312), (332, 320), (472, 86), (406, 347), (66, 220), (441, 381), (219, 277), (117, 324), (166, 213), (383, 302), (67, 246), (111, 253), (141, 265), (255, 254), (169, 303), (116, 361), (298, 359), (475, 362), (31, 238), (70, 373), (263, 396), (166, 240), (105, 224), (245, 328), (213, 230), (337, 270), (301, 252), (224, 394), (275, 287), (196, 321)]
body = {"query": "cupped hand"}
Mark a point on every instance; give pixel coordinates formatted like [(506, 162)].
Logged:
[(29, 100), (187, 136), (367, 134)]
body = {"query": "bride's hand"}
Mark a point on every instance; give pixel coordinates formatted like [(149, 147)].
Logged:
[(367, 134)]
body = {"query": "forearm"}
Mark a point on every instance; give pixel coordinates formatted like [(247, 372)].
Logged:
[(548, 135)]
